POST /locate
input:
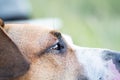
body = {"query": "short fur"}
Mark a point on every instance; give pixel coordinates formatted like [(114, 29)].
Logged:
[(28, 52)]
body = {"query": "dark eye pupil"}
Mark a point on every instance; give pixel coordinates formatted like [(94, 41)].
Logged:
[(60, 46)]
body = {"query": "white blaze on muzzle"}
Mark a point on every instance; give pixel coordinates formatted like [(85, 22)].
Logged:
[(94, 66), (98, 64)]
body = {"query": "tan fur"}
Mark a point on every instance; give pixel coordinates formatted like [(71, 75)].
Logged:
[(32, 40)]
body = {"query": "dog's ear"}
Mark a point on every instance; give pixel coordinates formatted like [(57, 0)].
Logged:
[(12, 62), (1, 23)]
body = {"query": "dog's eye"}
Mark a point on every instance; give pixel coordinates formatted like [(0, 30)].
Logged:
[(59, 47)]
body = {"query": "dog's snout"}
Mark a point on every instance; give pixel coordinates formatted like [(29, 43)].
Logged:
[(99, 64)]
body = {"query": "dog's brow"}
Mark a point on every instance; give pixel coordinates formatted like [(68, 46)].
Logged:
[(56, 34)]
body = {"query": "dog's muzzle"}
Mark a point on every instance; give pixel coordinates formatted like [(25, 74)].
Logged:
[(99, 64)]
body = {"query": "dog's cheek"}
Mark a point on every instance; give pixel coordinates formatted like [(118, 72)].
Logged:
[(74, 70), (47, 67), (55, 67)]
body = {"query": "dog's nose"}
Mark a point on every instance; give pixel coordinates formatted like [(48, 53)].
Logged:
[(114, 56)]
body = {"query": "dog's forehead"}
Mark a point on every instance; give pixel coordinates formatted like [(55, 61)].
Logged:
[(29, 37), (27, 32), (27, 28)]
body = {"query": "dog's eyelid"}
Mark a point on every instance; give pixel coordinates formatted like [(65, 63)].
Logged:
[(58, 47)]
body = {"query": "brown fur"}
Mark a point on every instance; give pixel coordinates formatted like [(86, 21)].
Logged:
[(12, 62), (32, 41), (1, 23)]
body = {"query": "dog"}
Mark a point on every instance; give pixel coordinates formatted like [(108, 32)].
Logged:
[(29, 52)]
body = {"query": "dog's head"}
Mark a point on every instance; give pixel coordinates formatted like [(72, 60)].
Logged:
[(29, 52)]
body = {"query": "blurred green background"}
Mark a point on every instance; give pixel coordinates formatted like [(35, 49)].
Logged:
[(91, 23)]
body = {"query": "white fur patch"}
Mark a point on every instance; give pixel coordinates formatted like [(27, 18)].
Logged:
[(94, 65), (91, 59)]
